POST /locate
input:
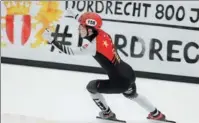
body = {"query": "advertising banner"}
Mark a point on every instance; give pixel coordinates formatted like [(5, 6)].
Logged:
[(159, 37)]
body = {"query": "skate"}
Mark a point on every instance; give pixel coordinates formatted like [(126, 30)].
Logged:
[(110, 117), (159, 117)]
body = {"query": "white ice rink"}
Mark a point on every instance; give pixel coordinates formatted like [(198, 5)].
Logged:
[(62, 95)]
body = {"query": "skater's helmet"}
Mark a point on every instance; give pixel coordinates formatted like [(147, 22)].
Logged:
[(90, 19)]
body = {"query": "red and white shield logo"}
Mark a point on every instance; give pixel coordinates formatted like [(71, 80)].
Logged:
[(18, 28)]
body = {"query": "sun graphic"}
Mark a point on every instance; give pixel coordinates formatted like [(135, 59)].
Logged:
[(48, 13)]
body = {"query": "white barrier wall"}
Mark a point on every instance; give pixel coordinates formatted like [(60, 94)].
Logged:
[(62, 96), (152, 36)]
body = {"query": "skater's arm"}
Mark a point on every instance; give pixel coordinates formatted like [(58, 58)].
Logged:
[(72, 13), (87, 49)]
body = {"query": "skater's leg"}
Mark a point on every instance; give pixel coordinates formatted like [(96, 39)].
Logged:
[(99, 87), (100, 102), (132, 94), (95, 88), (97, 97)]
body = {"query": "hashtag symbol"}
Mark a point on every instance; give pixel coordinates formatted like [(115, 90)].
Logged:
[(63, 36)]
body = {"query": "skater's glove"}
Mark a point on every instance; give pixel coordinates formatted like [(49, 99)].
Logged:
[(71, 13), (47, 36)]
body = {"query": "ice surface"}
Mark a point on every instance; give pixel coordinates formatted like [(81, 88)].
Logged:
[(15, 118), (62, 96)]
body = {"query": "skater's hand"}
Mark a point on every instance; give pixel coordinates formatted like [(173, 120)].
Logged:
[(47, 36), (71, 13)]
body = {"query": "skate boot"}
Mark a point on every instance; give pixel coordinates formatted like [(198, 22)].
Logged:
[(159, 116), (110, 116), (105, 115)]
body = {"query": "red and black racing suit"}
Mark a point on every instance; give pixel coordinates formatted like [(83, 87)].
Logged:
[(101, 47)]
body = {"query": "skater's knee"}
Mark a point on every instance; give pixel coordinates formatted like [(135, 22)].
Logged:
[(92, 86), (131, 92)]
